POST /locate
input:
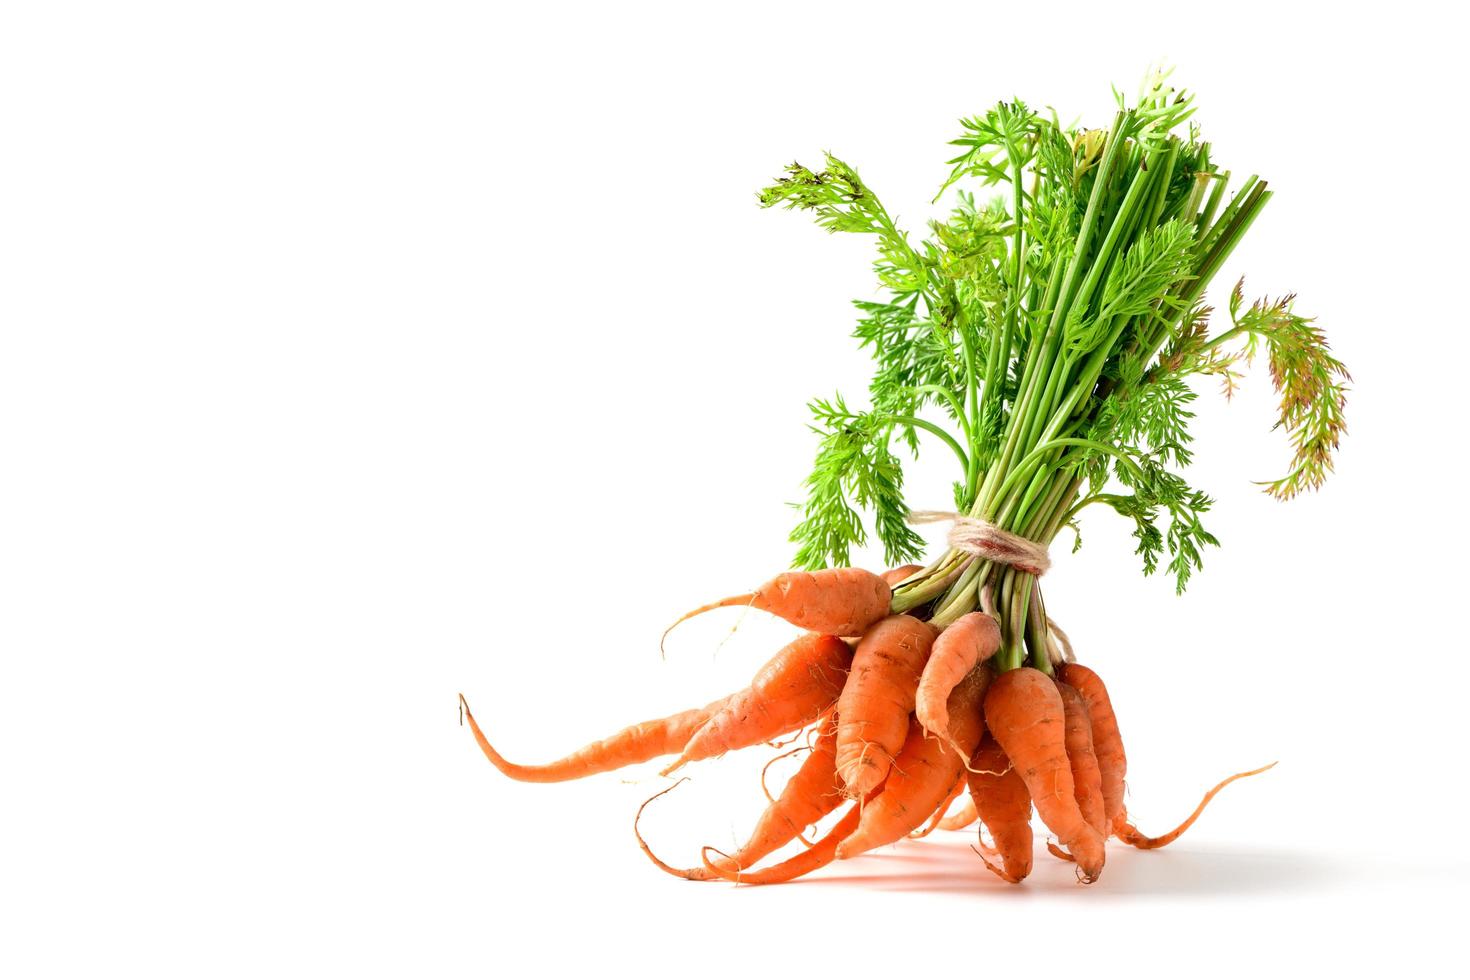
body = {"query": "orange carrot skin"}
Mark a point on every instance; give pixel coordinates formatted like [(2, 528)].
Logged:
[(1004, 807), (874, 708), (941, 813), (896, 575), (809, 796), (1086, 776), (966, 642), (809, 860), (791, 691), (1107, 743), (634, 744), (923, 774), (1024, 711), (839, 601)]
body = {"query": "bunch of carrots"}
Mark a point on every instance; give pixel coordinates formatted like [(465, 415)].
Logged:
[(905, 717), (1048, 340)]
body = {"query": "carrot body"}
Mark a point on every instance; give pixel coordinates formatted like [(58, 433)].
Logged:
[(1107, 743), (966, 642), (1004, 806), (839, 601), (923, 774), (791, 691), (809, 796), (1130, 834), (1023, 709), (634, 744), (941, 814), (896, 575), (814, 857), (874, 708), (1086, 777)]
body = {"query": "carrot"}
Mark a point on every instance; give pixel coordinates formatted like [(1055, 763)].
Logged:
[(839, 601), (1129, 834), (634, 744), (963, 817), (1004, 806), (1023, 709), (1086, 777), (875, 704), (809, 796), (1107, 743), (791, 691), (925, 770), (896, 575), (939, 815), (814, 857), (966, 642)]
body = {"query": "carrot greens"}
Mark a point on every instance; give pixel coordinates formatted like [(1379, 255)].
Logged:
[(1049, 338)]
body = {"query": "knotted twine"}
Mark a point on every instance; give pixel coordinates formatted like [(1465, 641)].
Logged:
[(980, 537), (983, 539)]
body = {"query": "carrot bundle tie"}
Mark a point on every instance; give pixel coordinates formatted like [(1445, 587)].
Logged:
[(983, 539)]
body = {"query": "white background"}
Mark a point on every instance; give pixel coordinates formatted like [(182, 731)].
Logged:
[(356, 355)]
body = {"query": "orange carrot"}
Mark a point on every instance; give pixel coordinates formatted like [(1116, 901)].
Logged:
[(964, 816), (1023, 709), (1129, 834), (839, 601), (791, 691), (923, 774), (1086, 777), (896, 575), (966, 642), (814, 857), (1004, 807), (1107, 743), (808, 797), (874, 707), (936, 820), (634, 744)]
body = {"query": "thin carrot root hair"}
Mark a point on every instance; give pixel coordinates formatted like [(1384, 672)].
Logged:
[(744, 599), (692, 874), (775, 759), (1130, 834)]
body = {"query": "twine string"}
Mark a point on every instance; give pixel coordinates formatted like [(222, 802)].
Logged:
[(980, 537)]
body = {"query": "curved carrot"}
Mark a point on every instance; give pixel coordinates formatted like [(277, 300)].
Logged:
[(1023, 709), (809, 860), (791, 691), (809, 796), (1107, 743), (940, 815), (964, 816), (1086, 776), (636, 743), (923, 774), (1004, 806), (874, 708), (967, 641), (839, 601), (1129, 834)]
